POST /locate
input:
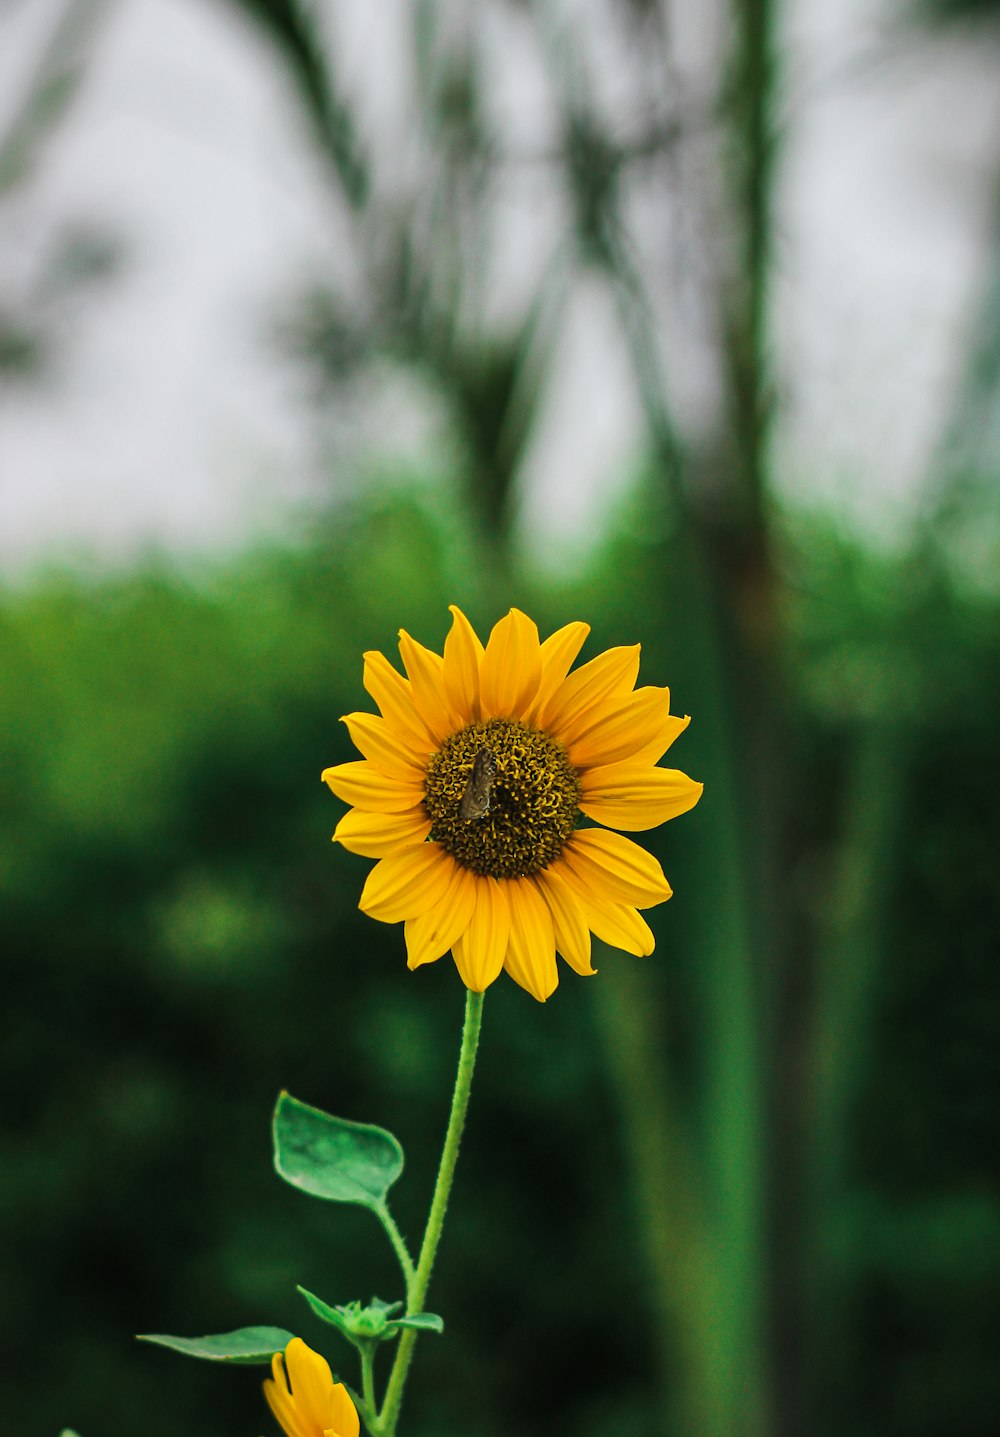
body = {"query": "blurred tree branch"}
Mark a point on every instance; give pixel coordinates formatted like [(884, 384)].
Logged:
[(292, 29), (49, 90), (55, 75)]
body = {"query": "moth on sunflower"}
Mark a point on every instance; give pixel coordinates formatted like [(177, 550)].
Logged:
[(475, 801)]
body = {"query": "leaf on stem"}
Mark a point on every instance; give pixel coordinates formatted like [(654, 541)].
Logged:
[(246, 1344), (333, 1158)]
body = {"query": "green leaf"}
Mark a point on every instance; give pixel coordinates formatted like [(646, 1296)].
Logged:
[(333, 1158), (246, 1344), (421, 1321), (68, 1432), (333, 1315)]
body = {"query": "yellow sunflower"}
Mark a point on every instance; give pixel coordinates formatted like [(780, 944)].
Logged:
[(473, 787), (304, 1397)]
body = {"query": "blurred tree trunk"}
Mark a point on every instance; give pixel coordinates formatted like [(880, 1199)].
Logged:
[(722, 559)]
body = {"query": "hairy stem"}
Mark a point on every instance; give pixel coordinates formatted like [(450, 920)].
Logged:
[(417, 1293)]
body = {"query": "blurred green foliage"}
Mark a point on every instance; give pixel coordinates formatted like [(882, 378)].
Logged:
[(748, 1187), (181, 941)]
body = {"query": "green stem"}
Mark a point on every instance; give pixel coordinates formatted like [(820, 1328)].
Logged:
[(400, 1249), (389, 1415), (368, 1381)]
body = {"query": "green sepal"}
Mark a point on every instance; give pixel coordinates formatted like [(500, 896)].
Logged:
[(338, 1317), (246, 1344), (375, 1322), (333, 1158), (420, 1321), (68, 1432)]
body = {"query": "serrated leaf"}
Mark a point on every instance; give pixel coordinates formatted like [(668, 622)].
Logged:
[(245, 1344), (420, 1321), (333, 1158)]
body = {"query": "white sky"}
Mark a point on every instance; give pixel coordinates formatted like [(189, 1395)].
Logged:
[(168, 420)]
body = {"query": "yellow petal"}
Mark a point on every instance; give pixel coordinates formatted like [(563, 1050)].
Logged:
[(622, 732), (614, 869), (343, 1414), (673, 726), (511, 667), (394, 696), (375, 835), (589, 692), (462, 656), (622, 927), (311, 1381), (284, 1410), (406, 884), (531, 951), (572, 933), (557, 654), (277, 1372), (383, 746), (362, 785), (480, 952), (280, 1402), (634, 796), (437, 930), (425, 671)]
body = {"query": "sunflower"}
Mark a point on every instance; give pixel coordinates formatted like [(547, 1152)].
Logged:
[(304, 1397), (473, 791)]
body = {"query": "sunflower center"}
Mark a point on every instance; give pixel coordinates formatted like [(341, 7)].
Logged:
[(505, 816)]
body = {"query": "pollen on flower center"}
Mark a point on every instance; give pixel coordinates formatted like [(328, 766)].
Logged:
[(533, 799)]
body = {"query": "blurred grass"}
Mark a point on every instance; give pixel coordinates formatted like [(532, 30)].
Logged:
[(181, 941)]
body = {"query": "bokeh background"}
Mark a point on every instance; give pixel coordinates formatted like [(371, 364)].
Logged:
[(679, 316)]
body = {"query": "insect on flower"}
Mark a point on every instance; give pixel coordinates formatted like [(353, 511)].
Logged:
[(475, 801)]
